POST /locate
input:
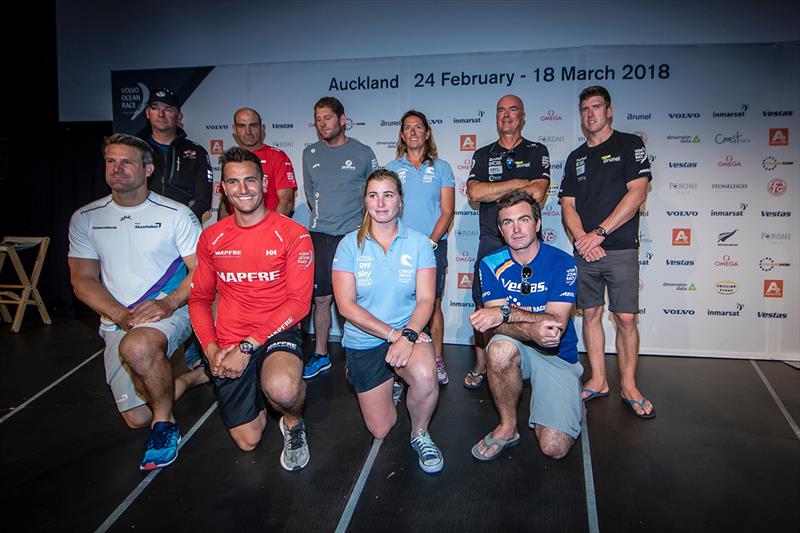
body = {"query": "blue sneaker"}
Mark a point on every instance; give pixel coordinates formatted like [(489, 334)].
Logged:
[(162, 448), (430, 456), (318, 363), (192, 355)]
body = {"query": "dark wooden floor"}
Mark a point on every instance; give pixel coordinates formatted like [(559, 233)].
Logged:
[(720, 456)]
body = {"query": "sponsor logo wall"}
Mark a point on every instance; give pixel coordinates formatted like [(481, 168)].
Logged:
[(718, 252)]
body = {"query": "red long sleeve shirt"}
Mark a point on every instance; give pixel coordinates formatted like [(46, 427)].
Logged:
[(264, 274)]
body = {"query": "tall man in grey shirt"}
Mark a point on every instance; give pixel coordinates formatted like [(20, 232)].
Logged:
[(334, 172)]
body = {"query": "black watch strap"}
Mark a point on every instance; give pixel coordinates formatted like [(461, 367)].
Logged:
[(410, 334), (246, 347)]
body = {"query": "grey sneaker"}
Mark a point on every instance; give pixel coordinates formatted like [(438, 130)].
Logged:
[(430, 457), (397, 392), (295, 453)]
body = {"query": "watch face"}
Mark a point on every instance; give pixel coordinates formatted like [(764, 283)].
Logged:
[(410, 334), (246, 347)]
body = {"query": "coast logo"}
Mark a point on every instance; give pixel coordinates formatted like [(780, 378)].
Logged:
[(549, 234), (731, 114), (776, 187), (551, 116), (729, 162), (725, 236), (635, 116), (465, 280), (767, 264), (726, 261), (726, 287), (681, 237), (773, 288), (216, 147), (779, 136), (733, 138), (468, 142), (770, 163)]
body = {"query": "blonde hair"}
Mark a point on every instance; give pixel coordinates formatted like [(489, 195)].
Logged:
[(377, 175)]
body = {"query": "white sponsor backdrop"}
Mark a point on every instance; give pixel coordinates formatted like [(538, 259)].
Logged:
[(720, 123)]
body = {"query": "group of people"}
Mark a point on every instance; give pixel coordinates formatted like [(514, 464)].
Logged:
[(376, 244)]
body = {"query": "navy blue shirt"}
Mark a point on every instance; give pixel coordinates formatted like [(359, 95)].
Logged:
[(553, 280)]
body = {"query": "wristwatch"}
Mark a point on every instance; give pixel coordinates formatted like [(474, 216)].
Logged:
[(246, 347), (505, 310), (600, 230), (410, 334)]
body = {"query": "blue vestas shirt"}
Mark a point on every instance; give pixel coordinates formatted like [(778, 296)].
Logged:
[(386, 283), (553, 280), (422, 190)]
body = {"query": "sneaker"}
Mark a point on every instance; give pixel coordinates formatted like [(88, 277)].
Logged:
[(441, 373), (430, 457), (397, 392), (295, 446), (318, 363), (162, 448)]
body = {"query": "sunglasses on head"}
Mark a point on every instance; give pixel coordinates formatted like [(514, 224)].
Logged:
[(525, 287)]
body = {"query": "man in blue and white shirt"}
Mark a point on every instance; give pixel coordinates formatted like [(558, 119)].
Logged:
[(528, 290)]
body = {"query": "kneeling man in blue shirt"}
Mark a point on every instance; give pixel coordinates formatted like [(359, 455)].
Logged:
[(528, 293)]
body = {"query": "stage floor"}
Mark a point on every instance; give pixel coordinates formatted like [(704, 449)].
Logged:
[(723, 454)]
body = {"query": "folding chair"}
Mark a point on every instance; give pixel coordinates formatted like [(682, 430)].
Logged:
[(30, 293)]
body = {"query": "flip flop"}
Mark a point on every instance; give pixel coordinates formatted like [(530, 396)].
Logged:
[(593, 394), (477, 377), (643, 414), (489, 441)]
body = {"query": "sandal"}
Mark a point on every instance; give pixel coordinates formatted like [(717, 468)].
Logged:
[(474, 380)]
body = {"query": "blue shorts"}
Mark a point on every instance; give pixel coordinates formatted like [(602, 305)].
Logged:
[(555, 388)]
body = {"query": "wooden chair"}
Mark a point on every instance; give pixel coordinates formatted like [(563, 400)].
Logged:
[(30, 293)]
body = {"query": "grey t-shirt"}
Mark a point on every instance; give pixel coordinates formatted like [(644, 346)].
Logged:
[(334, 179)]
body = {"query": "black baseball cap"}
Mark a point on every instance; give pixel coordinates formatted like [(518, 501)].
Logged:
[(164, 95)]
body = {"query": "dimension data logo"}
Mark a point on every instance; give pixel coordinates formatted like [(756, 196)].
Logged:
[(679, 286), (731, 114), (726, 312), (730, 213), (685, 139)]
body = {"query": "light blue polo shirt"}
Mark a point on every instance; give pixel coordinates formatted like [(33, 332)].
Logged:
[(386, 283), (422, 190)]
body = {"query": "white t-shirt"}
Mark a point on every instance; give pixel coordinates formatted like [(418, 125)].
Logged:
[(140, 248)]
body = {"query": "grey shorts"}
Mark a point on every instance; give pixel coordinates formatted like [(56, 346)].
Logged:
[(176, 328), (619, 272), (555, 388)]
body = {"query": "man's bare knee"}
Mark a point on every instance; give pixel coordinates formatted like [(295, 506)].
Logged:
[(555, 444), (282, 388), (501, 355), (140, 349), (246, 440)]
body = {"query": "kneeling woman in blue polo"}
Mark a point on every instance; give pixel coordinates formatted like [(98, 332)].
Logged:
[(384, 285)]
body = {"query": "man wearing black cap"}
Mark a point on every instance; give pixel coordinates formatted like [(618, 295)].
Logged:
[(183, 169)]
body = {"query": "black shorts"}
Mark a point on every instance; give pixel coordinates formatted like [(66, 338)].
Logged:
[(241, 399), (441, 266), (485, 247), (324, 250), (366, 369)]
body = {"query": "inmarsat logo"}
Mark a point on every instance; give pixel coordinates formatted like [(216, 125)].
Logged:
[(645, 261)]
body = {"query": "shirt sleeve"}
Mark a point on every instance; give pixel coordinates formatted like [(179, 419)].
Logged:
[(568, 181), (299, 285), (203, 184), (372, 161), (480, 166), (543, 163), (426, 257), (345, 256), (448, 179), (308, 182), (187, 232), (562, 286), (201, 297), (283, 172), (80, 245), (491, 288), (636, 160)]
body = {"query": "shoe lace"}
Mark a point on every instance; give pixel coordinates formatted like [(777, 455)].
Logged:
[(160, 438), (296, 437), (315, 358), (425, 447)]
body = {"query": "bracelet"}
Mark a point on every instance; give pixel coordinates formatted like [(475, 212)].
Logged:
[(434, 244), (389, 335)]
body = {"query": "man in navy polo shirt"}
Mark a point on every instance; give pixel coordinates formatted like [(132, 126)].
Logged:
[(528, 293)]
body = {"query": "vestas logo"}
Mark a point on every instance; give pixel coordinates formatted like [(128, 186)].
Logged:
[(679, 262), (775, 213), (778, 113), (761, 314), (282, 126), (678, 311), (683, 115), (682, 164)]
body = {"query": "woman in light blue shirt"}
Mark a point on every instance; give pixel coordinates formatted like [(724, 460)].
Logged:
[(430, 200), (383, 282)]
